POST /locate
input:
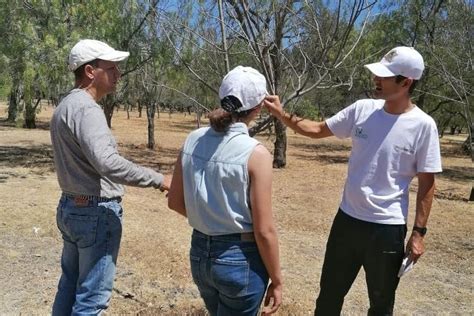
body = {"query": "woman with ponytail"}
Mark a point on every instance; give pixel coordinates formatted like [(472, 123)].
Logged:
[(222, 183)]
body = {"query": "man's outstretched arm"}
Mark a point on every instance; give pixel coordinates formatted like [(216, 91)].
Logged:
[(300, 125)]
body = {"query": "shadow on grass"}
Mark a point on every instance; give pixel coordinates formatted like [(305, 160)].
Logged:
[(458, 173), (43, 125), (5, 123), (323, 152), (162, 159), (40, 125), (40, 156), (184, 126), (173, 311), (454, 150)]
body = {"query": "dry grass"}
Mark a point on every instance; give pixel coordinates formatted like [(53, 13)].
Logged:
[(153, 272)]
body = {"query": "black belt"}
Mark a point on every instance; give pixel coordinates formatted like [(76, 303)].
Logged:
[(248, 236)]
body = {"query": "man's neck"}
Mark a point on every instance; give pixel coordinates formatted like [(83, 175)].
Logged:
[(398, 106), (89, 88)]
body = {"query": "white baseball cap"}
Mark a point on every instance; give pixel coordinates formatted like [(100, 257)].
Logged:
[(403, 61), (246, 84), (87, 50)]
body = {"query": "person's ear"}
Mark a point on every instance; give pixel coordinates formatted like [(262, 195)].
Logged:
[(407, 82), (89, 71)]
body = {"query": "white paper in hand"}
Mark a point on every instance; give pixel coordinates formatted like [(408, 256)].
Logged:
[(407, 265)]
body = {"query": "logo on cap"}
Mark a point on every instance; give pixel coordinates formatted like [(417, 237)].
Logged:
[(391, 55)]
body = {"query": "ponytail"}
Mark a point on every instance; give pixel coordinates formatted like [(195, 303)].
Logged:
[(221, 118)]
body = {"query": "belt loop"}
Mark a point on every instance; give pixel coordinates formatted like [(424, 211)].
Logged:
[(247, 237)]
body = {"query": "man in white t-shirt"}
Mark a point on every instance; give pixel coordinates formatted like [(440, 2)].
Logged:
[(392, 142)]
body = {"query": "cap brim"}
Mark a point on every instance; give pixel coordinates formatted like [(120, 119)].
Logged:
[(116, 55), (379, 70)]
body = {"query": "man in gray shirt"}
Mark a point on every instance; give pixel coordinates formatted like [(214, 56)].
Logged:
[(91, 174)]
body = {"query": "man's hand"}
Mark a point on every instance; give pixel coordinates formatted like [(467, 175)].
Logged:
[(415, 246), (272, 299), (272, 103), (166, 183)]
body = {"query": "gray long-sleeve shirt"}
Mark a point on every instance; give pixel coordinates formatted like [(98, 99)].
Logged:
[(85, 151)]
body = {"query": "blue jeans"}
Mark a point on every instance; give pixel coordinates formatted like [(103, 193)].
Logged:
[(91, 235), (229, 273)]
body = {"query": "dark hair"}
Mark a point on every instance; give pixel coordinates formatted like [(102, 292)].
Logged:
[(221, 118), (79, 72), (399, 78)]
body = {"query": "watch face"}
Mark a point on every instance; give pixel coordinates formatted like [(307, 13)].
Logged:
[(421, 230)]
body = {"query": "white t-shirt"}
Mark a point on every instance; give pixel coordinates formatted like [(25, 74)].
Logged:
[(387, 152)]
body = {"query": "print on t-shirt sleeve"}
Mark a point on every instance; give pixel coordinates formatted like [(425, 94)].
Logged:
[(428, 157), (342, 123)]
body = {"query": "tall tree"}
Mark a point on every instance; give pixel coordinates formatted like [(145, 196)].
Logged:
[(272, 36)]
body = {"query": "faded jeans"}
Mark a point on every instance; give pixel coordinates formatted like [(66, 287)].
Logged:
[(91, 235), (229, 273)]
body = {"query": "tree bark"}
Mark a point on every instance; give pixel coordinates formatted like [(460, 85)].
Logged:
[(140, 107), (468, 147), (150, 114), (30, 115), (108, 107), (198, 117), (13, 104), (224, 38), (279, 155)]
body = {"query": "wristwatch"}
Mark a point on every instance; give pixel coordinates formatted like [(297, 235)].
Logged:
[(421, 230)]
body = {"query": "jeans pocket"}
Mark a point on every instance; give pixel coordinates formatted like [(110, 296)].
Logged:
[(231, 276), (114, 209), (59, 215), (195, 262), (82, 229)]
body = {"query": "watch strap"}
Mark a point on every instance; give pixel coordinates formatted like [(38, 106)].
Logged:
[(421, 230)]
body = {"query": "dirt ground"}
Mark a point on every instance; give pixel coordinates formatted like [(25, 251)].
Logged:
[(153, 270)]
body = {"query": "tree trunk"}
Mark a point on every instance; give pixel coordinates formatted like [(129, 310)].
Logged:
[(14, 104), (108, 106), (468, 144), (224, 37), (198, 117), (140, 107), (468, 147), (30, 114), (150, 113), (279, 155)]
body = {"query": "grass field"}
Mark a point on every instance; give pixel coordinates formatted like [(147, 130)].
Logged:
[(153, 270)]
